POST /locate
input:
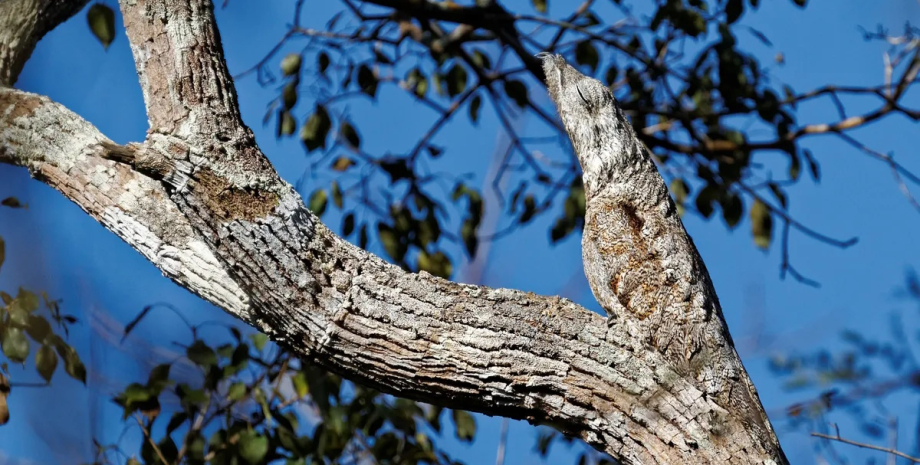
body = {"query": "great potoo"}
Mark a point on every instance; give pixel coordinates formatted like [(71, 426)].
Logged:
[(640, 263)]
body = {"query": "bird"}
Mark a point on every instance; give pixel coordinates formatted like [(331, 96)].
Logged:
[(641, 264)]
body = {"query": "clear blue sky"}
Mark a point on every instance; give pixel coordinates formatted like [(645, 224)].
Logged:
[(56, 247)]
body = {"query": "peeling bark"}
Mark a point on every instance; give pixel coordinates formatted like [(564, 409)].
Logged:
[(200, 201)]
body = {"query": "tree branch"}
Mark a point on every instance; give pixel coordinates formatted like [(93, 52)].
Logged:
[(866, 446), (22, 24)]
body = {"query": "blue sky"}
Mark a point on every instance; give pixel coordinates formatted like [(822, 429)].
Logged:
[(56, 247)]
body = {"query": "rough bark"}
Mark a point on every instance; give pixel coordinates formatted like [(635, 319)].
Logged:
[(22, 24), (202, 203)]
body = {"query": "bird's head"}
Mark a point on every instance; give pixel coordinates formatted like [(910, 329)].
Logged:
[(574, 93), (597, 128)]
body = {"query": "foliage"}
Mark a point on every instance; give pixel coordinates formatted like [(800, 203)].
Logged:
[(25, 329), (254, 403), (850, 384), (694, 91)]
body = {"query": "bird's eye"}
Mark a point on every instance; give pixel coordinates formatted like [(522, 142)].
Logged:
[(585, 99)]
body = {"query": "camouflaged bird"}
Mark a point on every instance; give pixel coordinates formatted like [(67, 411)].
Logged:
[(642, 266)]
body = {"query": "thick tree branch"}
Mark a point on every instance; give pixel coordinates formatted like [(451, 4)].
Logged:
[(22, 24), (224, 225), (62, 150)]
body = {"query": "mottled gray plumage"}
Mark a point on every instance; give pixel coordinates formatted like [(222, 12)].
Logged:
[(639, 260), (642, 266)]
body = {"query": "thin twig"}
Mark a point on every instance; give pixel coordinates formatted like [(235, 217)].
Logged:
[(150, 439), (502, 440), (866, 446)]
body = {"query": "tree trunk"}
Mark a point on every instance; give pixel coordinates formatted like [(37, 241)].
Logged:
[(202, 203)]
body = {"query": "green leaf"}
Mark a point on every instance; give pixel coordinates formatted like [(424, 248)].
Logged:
[(800, 3), (768, 106), (289, 95), (72, 363), (135, 393), (813, 166), (704, 200), (38, 328), (322, 62), (474, 110), (576, 199), (253, 446), (317, 202), (316, 129), (258, 341), (362, 237), (18, 317), (236, 391), (382, 57), (189, 396), (733, 10), (456, 80), (27, 301), (459, 191), (434, 151), (342, 163), (437, 80), (287, 124), (611, 76), (46, 361), (468, 234), (416, 81), (390, 241), (732, 208), (437, 264), (290, 65), (15, 345), (238, 361), (201, 354), (225, 350), (465, 424), (158, 378), (679, 190), (429, 230), (175, 421), (336, 194), (778, 193), (795, 166), (586, 54), (517, 91), (348, 224), (101, 21), (539, 5), (561, 228), (299, 380), (761, 224), (348, 132), (397, 168), (195, 450), (168, 450), (530, 208), (367, 80), (12, 202), (481, 60)]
